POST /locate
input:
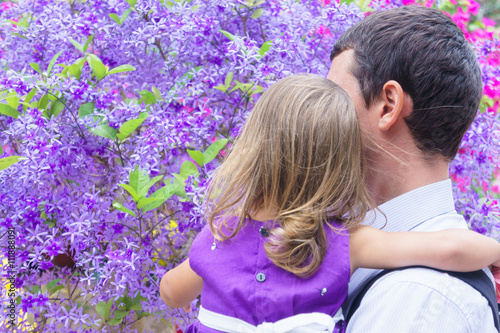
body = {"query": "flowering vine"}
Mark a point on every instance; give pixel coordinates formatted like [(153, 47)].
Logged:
[(113, 115)]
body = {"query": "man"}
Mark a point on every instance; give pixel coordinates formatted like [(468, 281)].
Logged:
[(417, 86)]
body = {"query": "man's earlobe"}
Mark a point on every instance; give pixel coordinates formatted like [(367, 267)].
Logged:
[(392, 102)]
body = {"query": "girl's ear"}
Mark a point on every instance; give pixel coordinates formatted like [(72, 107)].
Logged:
[(391, 104)]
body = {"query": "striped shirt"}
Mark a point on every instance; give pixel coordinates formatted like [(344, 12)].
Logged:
[(418, 299)]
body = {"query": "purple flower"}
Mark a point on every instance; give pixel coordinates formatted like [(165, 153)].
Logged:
[(61, 194), (118, 228), (27, 302), (45, 265), (53, 249)]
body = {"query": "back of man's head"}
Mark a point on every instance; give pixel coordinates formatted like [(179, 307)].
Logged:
[(423, 50)]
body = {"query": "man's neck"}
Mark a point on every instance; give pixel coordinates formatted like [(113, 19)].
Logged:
[(389, 178)]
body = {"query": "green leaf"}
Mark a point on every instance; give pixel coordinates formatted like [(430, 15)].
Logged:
[(87, 43), (136, 307), (75, 70), (131, 2), (120, 314), (115, 321), (56, 108), (128, 127), (114, 17), (85, 110), (122, 69), (98, 68), (138, 179), (52, 283), (229, 78), (78, 46), (157, 93), (188, 168), (257, 13), (43, 102), (265, 48), (104, 309), (131, 191), (124, 301), (364, 5), (80, 62), (164, 194), (180, 182), (53, 62), (30, 95), (136, 303), (35, 289), (147, 97), (227, 34), (122, 208), (197, 156), (8, 110), (105, 131), (19, 35), (28, 98), (36, 67), (55, 289), (13, 101), (64, 72), (238, 85), (214, 150), (221, 88), (101, 308), (125, 15), (145, 201), (144, 190), (8, 161)]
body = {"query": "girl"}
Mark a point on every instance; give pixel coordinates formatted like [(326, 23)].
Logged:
[(284, 235)]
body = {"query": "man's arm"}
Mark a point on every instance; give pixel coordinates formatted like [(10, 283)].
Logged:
[(421, 300)]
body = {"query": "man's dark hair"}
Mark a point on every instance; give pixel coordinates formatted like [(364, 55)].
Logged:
[(423, 50)]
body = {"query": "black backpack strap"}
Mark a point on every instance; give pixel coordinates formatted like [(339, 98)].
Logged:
[(478, 280)]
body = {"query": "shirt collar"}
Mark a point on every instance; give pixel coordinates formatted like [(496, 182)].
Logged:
[(411, 209)]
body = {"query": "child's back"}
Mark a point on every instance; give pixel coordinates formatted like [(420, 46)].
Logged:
[(299, 160), (240, 281)]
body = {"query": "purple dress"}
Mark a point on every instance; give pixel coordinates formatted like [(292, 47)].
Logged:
[(240, 281)]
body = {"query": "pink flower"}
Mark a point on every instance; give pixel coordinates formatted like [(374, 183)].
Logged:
[(324, 31), (461, 19), (474, 7), (5, 5), (489, 23)]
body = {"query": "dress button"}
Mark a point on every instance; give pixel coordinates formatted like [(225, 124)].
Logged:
[(261, 277), (264, 231)]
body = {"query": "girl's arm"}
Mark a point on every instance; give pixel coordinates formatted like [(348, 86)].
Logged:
[(181, 285), (453, 249)]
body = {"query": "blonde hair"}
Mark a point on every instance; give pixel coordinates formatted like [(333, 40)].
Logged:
[(300, 155)]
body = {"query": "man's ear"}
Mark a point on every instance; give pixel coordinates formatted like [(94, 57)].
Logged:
[(391, 104)]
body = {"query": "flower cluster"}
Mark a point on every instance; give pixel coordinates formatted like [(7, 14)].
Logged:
[(113, 115)]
